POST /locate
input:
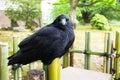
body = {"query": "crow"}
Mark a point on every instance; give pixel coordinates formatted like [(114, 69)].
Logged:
[(50, 42)]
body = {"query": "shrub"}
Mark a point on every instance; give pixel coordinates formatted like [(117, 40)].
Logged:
[(99, 22)]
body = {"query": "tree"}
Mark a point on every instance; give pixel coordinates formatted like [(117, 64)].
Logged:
[(73, 7), (26, 10), (112, 12), (90, 7)]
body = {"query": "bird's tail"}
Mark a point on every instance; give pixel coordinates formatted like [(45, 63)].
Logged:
[(11, 62), (13, 59)]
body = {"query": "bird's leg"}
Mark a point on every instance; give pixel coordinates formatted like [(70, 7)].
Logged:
[(16, 66)]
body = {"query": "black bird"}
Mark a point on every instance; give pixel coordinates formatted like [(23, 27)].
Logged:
[(48, 43)]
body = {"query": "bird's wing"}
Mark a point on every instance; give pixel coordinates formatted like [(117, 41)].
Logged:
[(71, 40), (38, 46), (40, 40)]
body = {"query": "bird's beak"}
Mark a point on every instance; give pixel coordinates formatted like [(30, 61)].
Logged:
[(63, 21)]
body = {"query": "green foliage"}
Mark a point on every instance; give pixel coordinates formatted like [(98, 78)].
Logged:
[(79, 15), (111, 13), (99, 22), (60, 7), (27, 10), (91, 7)]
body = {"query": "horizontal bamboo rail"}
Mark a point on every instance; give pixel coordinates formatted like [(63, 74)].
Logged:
[(89, 52)]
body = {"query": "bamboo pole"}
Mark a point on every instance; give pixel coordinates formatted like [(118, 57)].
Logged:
[(87, 48), (31, 66), (15, 48), (66, 60), (17, 73), (117, 46), (16, 41), (54, 70), (108, 53), (76, 51), (112, 58), (72, 57), (3, 61), (89, 52), (105, 48), (45, 67)]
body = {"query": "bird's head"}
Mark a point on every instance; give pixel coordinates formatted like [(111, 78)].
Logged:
[(62, 21)]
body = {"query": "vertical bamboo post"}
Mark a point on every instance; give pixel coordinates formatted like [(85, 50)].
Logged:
[(66, 60), (112, 58), (87, 48), (108, 53), (31, 66), (72, 57), (45, 67), (17, 73), (104, 57), (15, 48), (54, 70), (3, 61), (117, 60)]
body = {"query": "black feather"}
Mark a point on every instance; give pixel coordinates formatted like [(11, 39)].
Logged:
[(48, 43)]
